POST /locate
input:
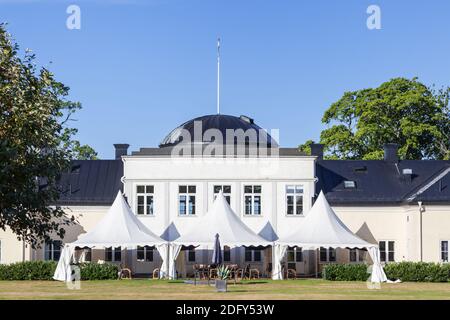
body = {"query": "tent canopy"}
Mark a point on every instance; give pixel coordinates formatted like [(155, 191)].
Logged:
[(119, 227), (323, 228), (220, 219)]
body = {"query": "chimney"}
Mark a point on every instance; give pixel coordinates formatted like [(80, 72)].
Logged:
[(121, 150), (390, 152), (317, 150)]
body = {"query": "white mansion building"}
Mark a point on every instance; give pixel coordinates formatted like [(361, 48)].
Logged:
[(402, 205)]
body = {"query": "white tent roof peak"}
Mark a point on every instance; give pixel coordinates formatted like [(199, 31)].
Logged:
[(321, 227), (220, 219), (119, 227)]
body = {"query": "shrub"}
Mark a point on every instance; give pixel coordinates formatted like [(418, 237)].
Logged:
[(28, 270), (418, 271), (95, 271), (345, 272), (44, 270)]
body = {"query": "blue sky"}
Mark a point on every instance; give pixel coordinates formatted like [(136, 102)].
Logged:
[(140, 68)]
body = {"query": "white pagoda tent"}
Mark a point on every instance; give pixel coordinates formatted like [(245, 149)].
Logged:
[(221, 220), (322, 228), (119, 227)]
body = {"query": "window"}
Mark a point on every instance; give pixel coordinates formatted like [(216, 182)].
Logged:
[(144, 201), (191, 255), (294, 200), (144, 253), (356, 255), (327, 255), (386, 251), (252, 255), (52, 250), (226, 190), (444, 251), (294, 255), (186, 197), (252, 200), (226, 254), (113, 254), (86, 254)]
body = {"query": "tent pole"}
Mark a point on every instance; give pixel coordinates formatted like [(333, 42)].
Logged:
[(316, 263)]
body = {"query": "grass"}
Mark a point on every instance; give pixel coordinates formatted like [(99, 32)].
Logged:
[(258, 289)]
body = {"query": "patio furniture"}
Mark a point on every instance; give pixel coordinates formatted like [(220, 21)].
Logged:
[(124, 273), (155, 273)]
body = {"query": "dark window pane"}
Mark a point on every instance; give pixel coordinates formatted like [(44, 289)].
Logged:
[(383, 256), (182, 189), (108, 254), (226, 189), (299, 255), (248, 255), (299, 204), (149, 189), (117, 254), (140, 253), (391, 245), (353, 255), (140, 209), (191, 204), (226, 254), (149, 254), (332, 254), (323, 254), (290, 255), (248, 204), (217, 189), (248, 189), (191, 256), (140, 189), (444, 246), (391, 256), (257, 255), (192, 189), (382, 245), (88, 254), (257, 189), (140, 200), (228, 198)]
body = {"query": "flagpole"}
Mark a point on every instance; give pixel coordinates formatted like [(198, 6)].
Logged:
[(218, 75)]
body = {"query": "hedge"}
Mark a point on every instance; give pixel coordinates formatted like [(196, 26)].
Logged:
[(418, 271), (345, 272), (44, 270), (405, 271)]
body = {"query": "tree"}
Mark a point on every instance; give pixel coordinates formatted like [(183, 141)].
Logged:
[(402, 111), (36, 145)]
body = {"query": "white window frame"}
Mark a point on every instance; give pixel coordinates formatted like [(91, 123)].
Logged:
[(188, 196), (253, 195), (440, 251), (328, 255), (360, 255), (145, 194), (296, 194), (227, 195), (148, 252), (113, 254), (49, 247), (386, 244)]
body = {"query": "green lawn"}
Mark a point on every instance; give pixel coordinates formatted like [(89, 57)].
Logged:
[(260, 289)]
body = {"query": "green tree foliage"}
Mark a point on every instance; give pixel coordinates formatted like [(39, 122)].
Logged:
[(36, 144), (402, 111)]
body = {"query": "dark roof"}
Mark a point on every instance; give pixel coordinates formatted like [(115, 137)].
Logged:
[(167, 151), (221, 123), (91, 182), (383, 182)]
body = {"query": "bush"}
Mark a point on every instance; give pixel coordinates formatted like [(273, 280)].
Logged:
[(95, 271), (418, 271), (345, 272), (44, 270), (29, 270)]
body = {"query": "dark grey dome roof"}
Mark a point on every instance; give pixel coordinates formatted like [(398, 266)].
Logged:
[(219, 122)]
